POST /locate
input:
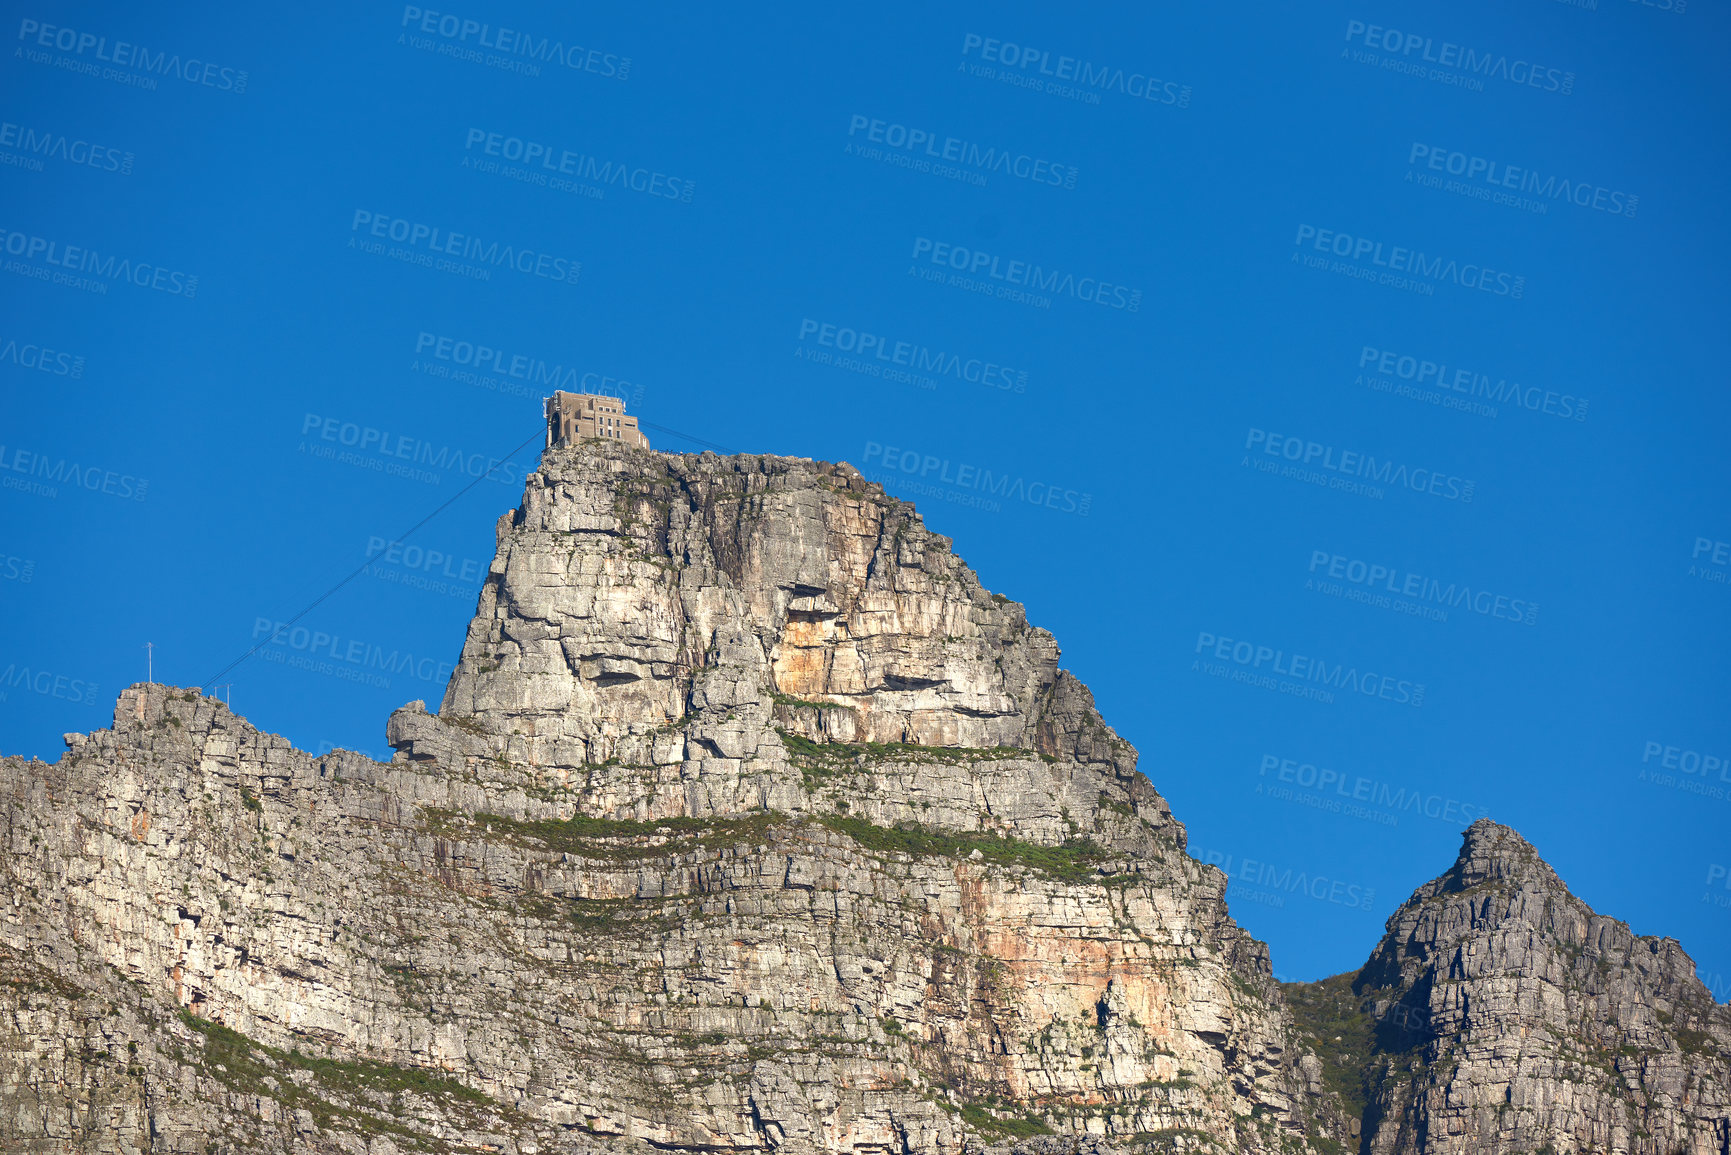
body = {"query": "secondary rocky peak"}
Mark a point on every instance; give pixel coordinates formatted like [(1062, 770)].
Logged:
[(1501, 1014)]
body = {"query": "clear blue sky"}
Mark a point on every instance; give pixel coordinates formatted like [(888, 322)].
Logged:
[(1235, 298)]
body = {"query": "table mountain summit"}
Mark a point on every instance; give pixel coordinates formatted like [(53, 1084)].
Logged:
[(750, 821)]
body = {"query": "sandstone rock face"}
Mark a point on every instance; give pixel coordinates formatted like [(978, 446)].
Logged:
[(749, 821), (1502, 1015)]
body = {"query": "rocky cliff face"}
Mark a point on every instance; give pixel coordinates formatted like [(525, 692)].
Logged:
[(1500, 1014), (749, 822)]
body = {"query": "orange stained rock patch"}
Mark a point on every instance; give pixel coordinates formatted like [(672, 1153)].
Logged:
[(806, 633), (800, 669)]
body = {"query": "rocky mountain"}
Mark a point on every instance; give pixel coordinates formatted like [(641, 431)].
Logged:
[(750, 821), (1499, 1014)]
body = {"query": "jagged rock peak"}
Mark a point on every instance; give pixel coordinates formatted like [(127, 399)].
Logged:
[(1492, 852), (1507, 1014)]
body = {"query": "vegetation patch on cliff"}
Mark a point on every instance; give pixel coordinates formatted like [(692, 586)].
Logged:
[(982, 1118), (25, 975), (840, 755), (606, 837), (1076, 860), (1332, 1021), (361, 1095)]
